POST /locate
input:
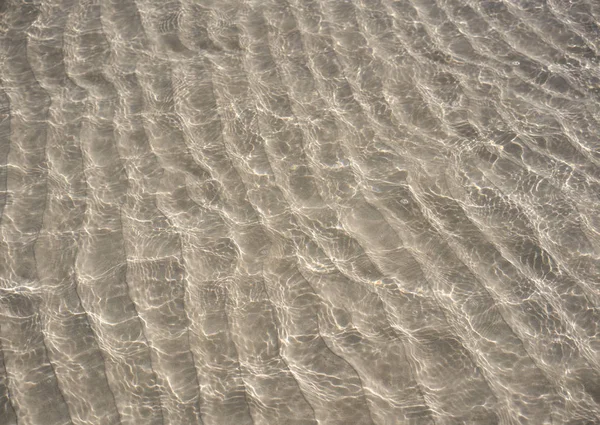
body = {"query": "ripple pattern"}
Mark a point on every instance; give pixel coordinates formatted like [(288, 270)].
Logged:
[(298, 212)]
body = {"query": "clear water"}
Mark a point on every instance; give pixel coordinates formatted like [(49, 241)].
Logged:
[(299, 212)]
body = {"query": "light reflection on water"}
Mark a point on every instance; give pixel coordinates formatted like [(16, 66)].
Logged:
[(299, 212)]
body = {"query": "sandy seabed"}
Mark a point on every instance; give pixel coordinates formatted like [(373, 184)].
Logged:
[(293, 212)]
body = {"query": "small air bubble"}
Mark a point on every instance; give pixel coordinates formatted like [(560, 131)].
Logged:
[(516, 63), (404, 201)]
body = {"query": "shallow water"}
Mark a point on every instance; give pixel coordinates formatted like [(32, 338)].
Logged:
[(299, 212)]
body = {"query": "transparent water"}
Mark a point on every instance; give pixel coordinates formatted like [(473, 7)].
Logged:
[(299, 212)]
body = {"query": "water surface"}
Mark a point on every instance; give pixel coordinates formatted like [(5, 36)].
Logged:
[(294, 212)]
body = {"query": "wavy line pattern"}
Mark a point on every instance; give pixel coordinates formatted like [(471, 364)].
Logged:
[(294, 212)]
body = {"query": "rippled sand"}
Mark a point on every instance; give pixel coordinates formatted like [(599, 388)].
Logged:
[(299, 212)]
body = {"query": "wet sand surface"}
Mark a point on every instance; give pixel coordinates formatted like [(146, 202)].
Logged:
[(294, 212)]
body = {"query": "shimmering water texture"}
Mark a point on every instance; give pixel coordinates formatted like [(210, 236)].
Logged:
[(294, 212)]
